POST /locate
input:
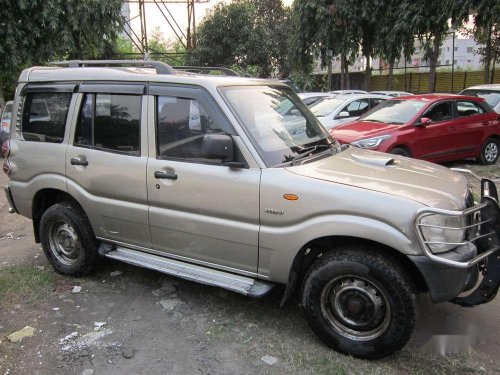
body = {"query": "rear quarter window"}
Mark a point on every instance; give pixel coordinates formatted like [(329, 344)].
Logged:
[(44, 117)]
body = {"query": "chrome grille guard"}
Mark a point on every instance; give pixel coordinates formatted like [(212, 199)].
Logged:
[(482, 225)]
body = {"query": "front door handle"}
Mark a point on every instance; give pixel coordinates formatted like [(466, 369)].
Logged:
[(165, 175), (452, 128), (78, 161)]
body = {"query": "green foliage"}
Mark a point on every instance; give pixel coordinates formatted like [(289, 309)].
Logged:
[(37, 31), (245, 33)]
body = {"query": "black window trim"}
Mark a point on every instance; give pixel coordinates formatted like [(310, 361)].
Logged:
[(92, 147), (49, 87)]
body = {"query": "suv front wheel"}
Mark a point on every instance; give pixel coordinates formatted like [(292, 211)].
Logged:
[(359, 302), (68, 240)]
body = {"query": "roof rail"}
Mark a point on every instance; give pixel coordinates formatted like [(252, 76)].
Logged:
[(207, 70), (161, 67)]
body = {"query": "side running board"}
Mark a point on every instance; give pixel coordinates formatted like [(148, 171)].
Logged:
[(239, 284)]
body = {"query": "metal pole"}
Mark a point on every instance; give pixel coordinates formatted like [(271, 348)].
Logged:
[(453, 62), (329, 55)]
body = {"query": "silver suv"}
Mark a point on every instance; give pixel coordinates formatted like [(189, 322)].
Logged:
[(203, 178)]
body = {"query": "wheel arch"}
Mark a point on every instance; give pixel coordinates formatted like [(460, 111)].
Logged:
[(42, 200), (306, 256), (404, 147)]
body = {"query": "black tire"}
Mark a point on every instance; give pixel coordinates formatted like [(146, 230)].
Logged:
[(400, 151), (382, 279), (68, 240), (489, 152)]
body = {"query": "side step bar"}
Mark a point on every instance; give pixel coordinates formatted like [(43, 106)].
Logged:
[(239, 284)]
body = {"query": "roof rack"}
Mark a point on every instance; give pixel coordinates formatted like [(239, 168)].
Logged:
[(207, 70), (161, 67)]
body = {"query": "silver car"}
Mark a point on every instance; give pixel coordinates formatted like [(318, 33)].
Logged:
[(202, 177), (342, 109), (5, 122), (490, 93)]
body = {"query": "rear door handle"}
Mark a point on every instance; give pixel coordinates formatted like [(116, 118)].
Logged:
[(486, 123), (165, 175), (78, 161), (452, 128)]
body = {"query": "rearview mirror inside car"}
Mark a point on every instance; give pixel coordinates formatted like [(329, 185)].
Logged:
[(218, 146)]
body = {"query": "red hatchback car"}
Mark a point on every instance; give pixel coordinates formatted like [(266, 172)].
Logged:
[(432, 127)]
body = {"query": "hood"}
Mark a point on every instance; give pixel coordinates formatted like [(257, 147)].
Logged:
[(361, 129), (427, 183)]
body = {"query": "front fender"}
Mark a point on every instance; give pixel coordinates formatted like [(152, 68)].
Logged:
[(278, 246)]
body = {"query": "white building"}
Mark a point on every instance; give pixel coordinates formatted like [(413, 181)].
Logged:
[(463, 54)]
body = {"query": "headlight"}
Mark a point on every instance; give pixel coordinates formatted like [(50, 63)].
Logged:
[(371, 142), (447, 231)]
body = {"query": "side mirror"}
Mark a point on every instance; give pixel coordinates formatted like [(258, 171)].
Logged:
[(294, 112), (343, 114), (425, 121), (218, 146)]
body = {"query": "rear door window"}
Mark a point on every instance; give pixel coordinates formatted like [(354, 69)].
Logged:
[(468, 108), (44, 116), (110, 122)]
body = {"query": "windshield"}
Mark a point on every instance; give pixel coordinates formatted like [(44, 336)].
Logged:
[(491, 97), (279, 138), (325, 107), (396, 112)]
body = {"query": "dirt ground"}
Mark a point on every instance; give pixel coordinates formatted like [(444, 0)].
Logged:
[(137, 321)]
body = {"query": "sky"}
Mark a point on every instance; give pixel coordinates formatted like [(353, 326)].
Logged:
[(179, 11)]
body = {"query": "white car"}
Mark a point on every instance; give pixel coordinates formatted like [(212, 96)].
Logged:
[(490, 93), (309, 98), (342, 109), (348, 92), (392, 94)]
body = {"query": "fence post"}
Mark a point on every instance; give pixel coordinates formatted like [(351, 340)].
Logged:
[(465, 80)]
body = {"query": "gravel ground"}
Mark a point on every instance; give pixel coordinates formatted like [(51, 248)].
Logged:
[(130, 320)]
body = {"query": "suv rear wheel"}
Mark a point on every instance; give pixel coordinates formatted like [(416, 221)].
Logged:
[(68, 240), (489, 152), (360, 303)]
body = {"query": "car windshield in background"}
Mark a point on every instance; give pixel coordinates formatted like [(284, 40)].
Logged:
[(279, 138), (7, 113), (491, 97), (325, 107), (396, 112)]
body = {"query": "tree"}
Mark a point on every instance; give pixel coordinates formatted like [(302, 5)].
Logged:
[(321, 27), (394, 36), (244, 33), (486, 31), (343, 26), (34, 32)]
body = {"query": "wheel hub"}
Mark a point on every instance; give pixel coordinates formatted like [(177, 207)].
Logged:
[(491, 152), (64, 243), (356, 308)]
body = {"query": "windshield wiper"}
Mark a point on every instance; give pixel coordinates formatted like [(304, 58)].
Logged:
[(306, 151), (366, 119)]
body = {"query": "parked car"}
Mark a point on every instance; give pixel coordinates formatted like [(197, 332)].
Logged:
[(342, 109), (348, 92), (393, 94), (5, 122), (431, 127), (490, 93), (309, 98), (243, 198)]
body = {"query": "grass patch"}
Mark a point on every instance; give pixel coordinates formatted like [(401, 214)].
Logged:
[(24, 284)]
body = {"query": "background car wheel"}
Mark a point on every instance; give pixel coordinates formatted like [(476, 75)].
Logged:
[(359, 303), (400, 151), (68, 240), (490, 152)]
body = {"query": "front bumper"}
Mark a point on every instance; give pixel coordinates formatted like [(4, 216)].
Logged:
[(451, 273)]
